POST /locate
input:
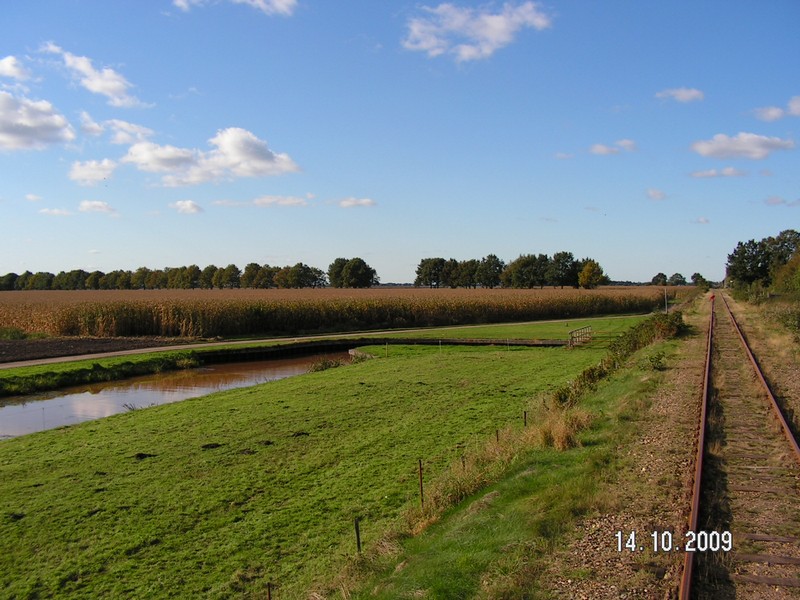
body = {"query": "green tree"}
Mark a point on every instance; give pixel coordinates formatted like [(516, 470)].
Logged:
[(249, 275), (266, 277), (429, 272), (659, 279), (41, 281), (7, 281), (358, 274), (232, 276), (676, 279), (193, 276), (93, 280), (591, 274), (563, 270), (21, 282), (468, 273), (207, 277), (335, 272), (748, 263), (450, 273), (526, 271), (489, 272)]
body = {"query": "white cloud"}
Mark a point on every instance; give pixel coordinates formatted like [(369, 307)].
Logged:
[(153, 158), (769, 113), (32, 197), (564, 155), (89, 126), (743, 145), (471, 34), (187, 207), (681, 94), (774, 113), (237, 153), (793, 108), (603, 150), (619, 145), (355, 202), (280, 201), (127, 133), (26, 124), (91, 172), (655, 194), (11, 67), (54, 212), (627, 145), (726, 172), (701, 221), (96, 206), (778, 201), (106, 81), (268, 7)]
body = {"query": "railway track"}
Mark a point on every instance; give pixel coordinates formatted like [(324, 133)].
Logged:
[(745, 518)]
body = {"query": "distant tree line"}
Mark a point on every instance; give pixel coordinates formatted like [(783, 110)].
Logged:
[(678, 279), (341, 273), (526, 271)]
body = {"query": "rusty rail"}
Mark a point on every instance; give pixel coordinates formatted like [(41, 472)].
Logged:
[(787, 432), (685, 589), (684, 592)]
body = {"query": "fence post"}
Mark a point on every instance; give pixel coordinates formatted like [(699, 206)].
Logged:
[(358, 535), (421, 492)]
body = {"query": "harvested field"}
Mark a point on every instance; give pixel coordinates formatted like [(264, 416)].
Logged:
[(247, 312)]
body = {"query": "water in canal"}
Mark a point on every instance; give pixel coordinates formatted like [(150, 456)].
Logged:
[(20, 415)]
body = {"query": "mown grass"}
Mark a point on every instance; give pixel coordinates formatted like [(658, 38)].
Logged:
[(497, 543), (216, 496)]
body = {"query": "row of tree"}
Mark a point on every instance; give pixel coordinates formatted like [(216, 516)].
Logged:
[(342, 272), (771, 262), (526, 271), (678, 279)]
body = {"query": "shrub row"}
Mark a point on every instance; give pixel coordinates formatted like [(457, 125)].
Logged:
[(658, 326)]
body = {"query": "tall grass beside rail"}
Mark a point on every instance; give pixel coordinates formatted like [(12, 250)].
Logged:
[(199, 314)]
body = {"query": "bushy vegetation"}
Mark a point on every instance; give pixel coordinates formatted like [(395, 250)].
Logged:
[(197, 315), (756, 268), (659, 326)]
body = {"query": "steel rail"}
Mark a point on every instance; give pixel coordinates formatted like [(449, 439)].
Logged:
[(787, 432), (684, 592), (685, 589)]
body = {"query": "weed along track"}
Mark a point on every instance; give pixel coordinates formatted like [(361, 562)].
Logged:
[(747, 538)]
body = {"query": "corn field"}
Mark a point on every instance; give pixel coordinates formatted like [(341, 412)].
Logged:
[(247, 312)]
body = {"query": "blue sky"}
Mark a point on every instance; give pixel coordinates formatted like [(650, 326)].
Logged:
[(651, 136)]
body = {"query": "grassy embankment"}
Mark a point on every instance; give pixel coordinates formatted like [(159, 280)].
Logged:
[(218, 495), (27, 380), (497, 543)]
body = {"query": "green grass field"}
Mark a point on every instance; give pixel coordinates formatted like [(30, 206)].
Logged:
[(496, 543), (83, 513), (216, 496)]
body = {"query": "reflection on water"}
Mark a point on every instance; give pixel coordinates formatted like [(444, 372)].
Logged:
[(36, 412)]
